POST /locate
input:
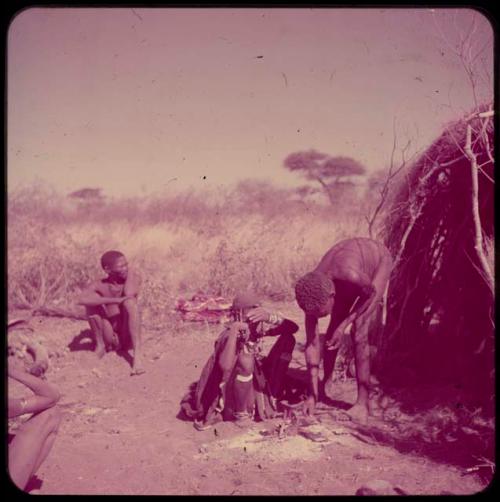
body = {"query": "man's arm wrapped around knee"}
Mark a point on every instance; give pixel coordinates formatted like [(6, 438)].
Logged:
[(46, 395)]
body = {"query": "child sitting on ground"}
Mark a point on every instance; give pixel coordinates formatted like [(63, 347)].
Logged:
[(238, 382)]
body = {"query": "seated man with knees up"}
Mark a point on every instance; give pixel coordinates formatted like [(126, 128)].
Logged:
[(348, 284), (237, 380), (112, 309), (35, 438)]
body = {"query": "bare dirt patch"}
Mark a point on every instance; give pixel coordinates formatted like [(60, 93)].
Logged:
[(121, 435)]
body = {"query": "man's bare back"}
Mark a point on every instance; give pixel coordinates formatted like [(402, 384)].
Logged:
[(360, 256)]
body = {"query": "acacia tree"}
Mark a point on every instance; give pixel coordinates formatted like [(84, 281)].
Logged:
[(330, 172)]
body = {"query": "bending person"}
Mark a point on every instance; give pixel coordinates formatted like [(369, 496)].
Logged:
[(348, 284)]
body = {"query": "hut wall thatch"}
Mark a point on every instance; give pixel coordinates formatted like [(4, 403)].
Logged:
[(440, 308)]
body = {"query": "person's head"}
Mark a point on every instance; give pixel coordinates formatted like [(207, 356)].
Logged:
[(115, 264), (243, 302), (315, 293)]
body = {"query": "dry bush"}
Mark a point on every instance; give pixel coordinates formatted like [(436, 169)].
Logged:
[(252, 235)]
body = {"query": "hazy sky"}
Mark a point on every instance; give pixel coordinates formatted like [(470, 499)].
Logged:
[(128, 99)]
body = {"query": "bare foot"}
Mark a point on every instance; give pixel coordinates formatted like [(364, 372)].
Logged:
[(244, 422), (209, 422), (115, 343), (357, 413), (137, 368)]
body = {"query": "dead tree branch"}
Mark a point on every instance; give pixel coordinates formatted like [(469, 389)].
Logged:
[(478, 244), (391, 174)]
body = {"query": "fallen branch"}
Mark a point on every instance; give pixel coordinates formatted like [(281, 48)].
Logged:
[(391, 174), (60, 312)]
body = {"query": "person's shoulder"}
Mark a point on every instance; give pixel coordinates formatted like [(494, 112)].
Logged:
[(100, 284)]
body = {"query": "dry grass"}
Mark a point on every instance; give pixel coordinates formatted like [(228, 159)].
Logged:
[(253, 235)]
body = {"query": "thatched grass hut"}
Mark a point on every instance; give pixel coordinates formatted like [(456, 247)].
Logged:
[(440, 304)]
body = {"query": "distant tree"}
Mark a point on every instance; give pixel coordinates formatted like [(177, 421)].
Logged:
[(86, 198), (85, 194), (332, 173)]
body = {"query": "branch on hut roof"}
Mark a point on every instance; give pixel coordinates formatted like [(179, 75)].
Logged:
[(451, 162), (457, 144), (409, 291), (481, 115), (478, 245), (457, 159), (484, 134), (484, 173), (479, 271), (415, 207), (384, 191), (427, 176), (489, 113), (487, 462)]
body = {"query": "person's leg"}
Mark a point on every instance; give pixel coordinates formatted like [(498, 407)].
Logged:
[(132, 323), (330, 356), (243, 384), (96, 325), (31, 445), (361, 408), (360, 337), (277, 362), (104, 333), (339, 312), (112, 328)]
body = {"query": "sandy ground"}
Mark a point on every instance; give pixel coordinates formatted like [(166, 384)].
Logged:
[(121, 434)]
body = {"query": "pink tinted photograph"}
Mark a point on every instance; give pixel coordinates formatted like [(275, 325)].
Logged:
[(250, 251)]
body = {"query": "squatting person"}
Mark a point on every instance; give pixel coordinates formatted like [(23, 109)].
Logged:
[(113, 311)]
